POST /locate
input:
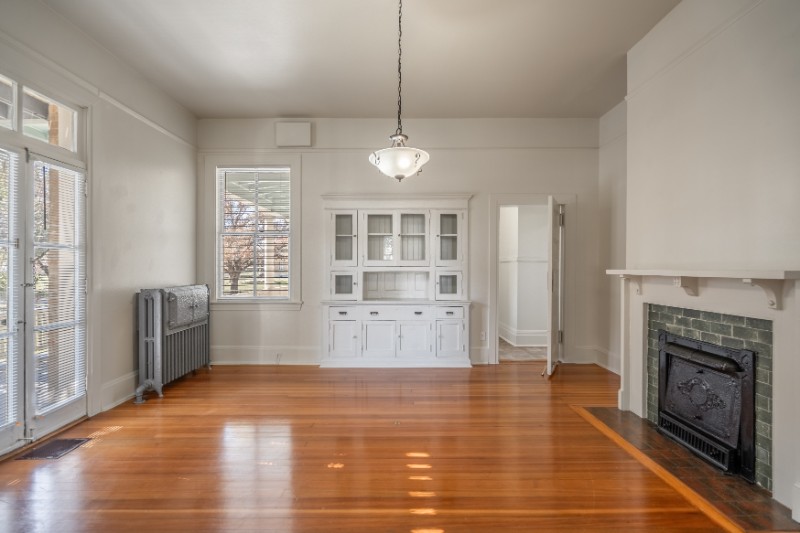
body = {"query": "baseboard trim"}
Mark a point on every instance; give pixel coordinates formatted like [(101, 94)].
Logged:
[(264, 355), (119, 390)]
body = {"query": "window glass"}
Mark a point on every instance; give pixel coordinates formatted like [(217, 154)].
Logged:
[(8, 91), (254, 236), (49, 121)]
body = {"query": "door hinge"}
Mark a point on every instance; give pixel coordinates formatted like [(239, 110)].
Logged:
[(561, 219), (85, 285), (86, 188), (560, 336)]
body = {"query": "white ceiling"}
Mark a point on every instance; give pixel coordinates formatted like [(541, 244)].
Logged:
[(338, 58)]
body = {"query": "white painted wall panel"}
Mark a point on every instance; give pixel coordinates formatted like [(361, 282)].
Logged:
[(612, 180), (143, 234), (712, 143), (550, 156)]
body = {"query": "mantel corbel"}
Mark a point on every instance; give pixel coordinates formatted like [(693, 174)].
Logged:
[(773, 289), (687, 283), (635, 280)]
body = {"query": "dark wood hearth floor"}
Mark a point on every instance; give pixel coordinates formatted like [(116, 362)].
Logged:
[(750, 506)]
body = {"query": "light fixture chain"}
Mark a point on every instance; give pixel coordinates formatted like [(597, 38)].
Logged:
[(400, 68)]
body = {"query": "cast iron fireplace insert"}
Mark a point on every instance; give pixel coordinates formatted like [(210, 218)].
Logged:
[(706, 401)]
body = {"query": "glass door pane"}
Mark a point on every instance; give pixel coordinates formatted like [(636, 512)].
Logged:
[(343, 285), (344, 230), (59, 296), (448, 237), (413, 238), (380, 238), (448, 286)]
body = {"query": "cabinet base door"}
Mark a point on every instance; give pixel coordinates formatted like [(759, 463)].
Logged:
[(343, 338), (414, 339), (379, 338), (450, 338)]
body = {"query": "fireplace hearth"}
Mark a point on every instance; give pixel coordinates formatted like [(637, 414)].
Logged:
[(706, 401)]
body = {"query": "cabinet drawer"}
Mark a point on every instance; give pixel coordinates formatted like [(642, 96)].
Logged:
[(395, 312), (343, 313), (449, 312), (380, 312), (415, 313)]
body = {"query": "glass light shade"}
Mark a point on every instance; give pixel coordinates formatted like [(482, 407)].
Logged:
[(399, 161)]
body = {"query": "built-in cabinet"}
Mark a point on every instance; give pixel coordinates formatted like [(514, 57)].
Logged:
[(396, 281), (396, 334)]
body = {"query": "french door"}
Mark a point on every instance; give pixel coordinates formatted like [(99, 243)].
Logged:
[(42, 297)]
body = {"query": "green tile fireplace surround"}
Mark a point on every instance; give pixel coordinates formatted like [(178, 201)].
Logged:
[(730, 331)]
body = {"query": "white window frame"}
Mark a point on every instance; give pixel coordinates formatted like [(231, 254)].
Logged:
[(16, 137), (209, 241)]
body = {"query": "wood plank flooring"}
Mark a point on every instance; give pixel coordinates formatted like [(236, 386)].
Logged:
[(285, 449)]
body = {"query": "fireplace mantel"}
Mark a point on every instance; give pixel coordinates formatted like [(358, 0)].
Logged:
[(770, 281), (729, 292)]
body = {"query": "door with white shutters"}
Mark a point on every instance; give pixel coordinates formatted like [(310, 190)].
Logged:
[(12, 387), (42, 297), (55, 296)]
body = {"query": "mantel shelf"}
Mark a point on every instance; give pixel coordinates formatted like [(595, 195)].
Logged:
[(732, 274), (770, 281)]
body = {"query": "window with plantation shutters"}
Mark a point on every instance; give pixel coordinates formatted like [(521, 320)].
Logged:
[(254, 233)]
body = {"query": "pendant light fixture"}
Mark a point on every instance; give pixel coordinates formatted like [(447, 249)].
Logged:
[(399, 161)]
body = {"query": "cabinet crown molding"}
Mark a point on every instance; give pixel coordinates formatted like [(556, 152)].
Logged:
[(407, 200)]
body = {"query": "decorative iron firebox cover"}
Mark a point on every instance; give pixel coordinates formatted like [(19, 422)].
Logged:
[(711, 400), (709, 391)]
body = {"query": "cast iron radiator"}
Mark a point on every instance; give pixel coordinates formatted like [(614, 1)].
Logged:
[(173, 335)]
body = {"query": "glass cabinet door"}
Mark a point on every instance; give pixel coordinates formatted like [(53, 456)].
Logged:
[(343, 286), (379, 243), (449, 286), (448, 238), (414, 239), (344, 238)]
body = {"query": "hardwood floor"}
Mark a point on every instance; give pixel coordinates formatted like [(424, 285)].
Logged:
[(494, 448)]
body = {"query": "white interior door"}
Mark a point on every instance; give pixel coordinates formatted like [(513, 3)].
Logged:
[(555, 279)]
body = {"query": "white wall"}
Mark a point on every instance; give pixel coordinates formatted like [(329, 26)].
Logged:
[(508, 156), (142, 171), (713, 136), (713, 128), (507, 273), (522, 274), (612, 178)]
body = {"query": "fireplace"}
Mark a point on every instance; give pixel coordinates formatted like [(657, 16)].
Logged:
[(757, 310), (706, 401)]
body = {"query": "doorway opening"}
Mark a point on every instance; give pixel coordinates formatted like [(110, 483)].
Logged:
[(522, 283), (526, 280)]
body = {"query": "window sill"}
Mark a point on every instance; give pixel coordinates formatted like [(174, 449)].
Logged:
[(255, 305)]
